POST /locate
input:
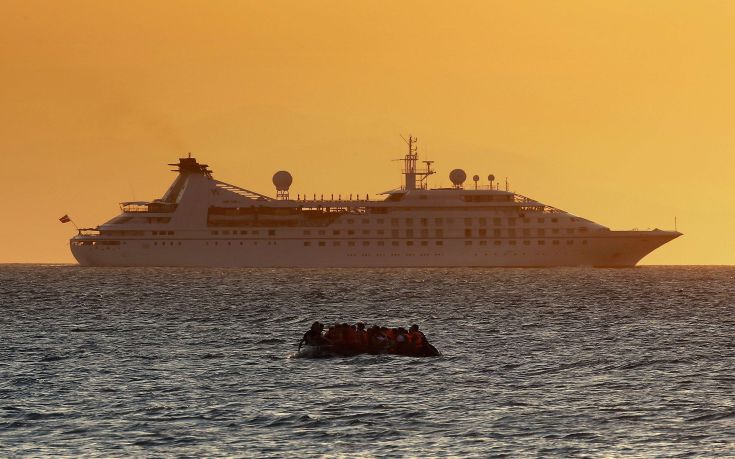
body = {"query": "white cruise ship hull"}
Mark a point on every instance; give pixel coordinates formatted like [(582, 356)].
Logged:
[(614, 249)]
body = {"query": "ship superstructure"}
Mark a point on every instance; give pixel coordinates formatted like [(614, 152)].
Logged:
[(201, 221)]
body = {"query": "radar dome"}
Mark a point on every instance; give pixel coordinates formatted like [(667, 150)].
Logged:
[(457, 176), (491, 177), (475, 178), (282, 180)]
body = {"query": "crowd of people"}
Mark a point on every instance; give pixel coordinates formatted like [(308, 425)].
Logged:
[(346, 339)]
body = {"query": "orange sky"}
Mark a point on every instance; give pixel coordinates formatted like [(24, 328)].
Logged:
[(620, 111)]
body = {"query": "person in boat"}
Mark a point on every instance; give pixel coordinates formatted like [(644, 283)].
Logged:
[(420, 345), (314, 337)]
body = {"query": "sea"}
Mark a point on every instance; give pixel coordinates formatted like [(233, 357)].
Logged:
[(165, 362)]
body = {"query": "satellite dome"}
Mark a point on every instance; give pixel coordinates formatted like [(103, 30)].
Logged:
[(475, 178), (457, 176), (491, 177), (282, 180)]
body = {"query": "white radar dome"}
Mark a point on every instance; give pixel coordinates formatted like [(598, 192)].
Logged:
[(457, 176), (282, 180)]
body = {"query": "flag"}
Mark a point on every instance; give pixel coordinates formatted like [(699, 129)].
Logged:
[(65, 219)]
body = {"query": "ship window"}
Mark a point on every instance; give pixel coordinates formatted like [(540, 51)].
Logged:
[(512, 232), (496, 221), (540, 220), (243, 232), (582, 229), (573, 219), (321, 232), (483, 242), (409, 221), (271, 232), (409, 233), (438, 221), (381, 232), (439, 233), (483, 221), (155, 243), (394, 243), (240, 242), (381, 221), (322, 243), (350, 221), (350, 232), (496, 242), (526, 220), (482, 232), (409, 242), (351, 243), (394, 233), (424, 222), (335, 232), (307, 243), (439, 242), (307, 232), (496, 232), (468, 221), (541, 242), (555, 230), (467, 242), (555, 242), (381, 243), (584, 241), (365, 231), (570, 241), (468, 233), (526, 242), (216, 243), (365, 242), (256, 232), (450, 221), (394, 221), (554, 220), (526, 232), (229, 243), (365, 220), (424, 233), (512, 221), (541, 231), (225, 232), (424, 242), (512, 242), (213, 232), (335, 243)]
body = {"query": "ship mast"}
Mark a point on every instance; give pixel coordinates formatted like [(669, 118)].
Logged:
[(409, 167)]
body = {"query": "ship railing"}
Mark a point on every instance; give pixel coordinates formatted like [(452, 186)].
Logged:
[(88, 231)]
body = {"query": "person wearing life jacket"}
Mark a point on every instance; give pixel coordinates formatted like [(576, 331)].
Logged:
[(361, 338), (420, 344), (402, 346), (313, 337)]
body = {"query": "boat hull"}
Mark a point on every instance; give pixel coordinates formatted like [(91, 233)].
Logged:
[(608, 249)]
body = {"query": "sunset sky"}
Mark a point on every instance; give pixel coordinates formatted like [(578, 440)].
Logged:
[(622, 112)]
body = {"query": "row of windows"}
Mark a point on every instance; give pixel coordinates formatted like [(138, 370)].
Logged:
[(163, 233), (271, 232), (468, 232), (426, 243), (351, 243), (481, 221)]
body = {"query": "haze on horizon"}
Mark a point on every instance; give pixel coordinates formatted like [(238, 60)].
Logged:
[(617, 111)]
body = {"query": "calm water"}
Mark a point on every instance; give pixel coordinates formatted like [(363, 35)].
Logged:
[(195, 362)]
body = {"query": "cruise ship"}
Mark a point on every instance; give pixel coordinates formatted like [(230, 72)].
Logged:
[(201, 221)]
